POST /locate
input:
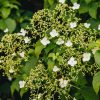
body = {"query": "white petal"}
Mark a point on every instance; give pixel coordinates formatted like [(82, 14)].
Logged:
[(60, 41), (87, 25), (69, 43), (62, 1), (45, 41), (6, 30), (72, 62), (21, 84), (76, 6), (99, 27), (63, 83), (22, 54), (73, 24), (11, 71), (56, 69), (26, 39), (86, 57), (54, 33)]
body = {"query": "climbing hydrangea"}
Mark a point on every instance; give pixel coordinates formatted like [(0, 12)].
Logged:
[(50, 56)]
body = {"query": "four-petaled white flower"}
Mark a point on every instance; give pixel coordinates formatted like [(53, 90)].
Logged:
[(21, 84), (95, 49), (72, 61), (22, 54), (62, 1), (76, 6), (99, 27), (87, 25), (6, 30), (56, 69), (54, 33), (73, 24), (22, 32), (11, 71), (26, 39), (63, 83), (45, 41), (60, 41), (86, 57), (68, 43)]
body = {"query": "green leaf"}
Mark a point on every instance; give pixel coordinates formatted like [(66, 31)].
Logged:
[(80, 80), (52, 55), (51, 2), (60, 59), (97, 57), (22, 91), (11, 24), (94, 23), (15, 86), (88, 1), (50, 65), (93, 10), (73, 1), (50, 47), (96, 82), (84, 8), (38, 48), (5, 12), (30, 64), (2, 24), (46, 4), (98, 43), (89, 94)]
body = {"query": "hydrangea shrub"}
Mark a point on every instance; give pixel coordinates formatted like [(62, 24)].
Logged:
[(53, 58)]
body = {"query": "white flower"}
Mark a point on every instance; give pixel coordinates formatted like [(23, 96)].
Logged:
[(21, 84), (62, 1), (10, 78), (26, 39), (56, 69), (95, 49), (22, 32), (99, 27), (68, 43), (76, 6), (87, 25), (6, 30), (54, 33), (72, 61), (45, 41), (60, 41), (11, 71), (73, 24), (63, 83), (22, 54), (86, 57)]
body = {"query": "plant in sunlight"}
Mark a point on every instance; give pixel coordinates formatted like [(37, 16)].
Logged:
[(53, 57)]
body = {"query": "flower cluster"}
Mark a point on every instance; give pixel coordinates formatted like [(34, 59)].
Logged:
[(51, 66)]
